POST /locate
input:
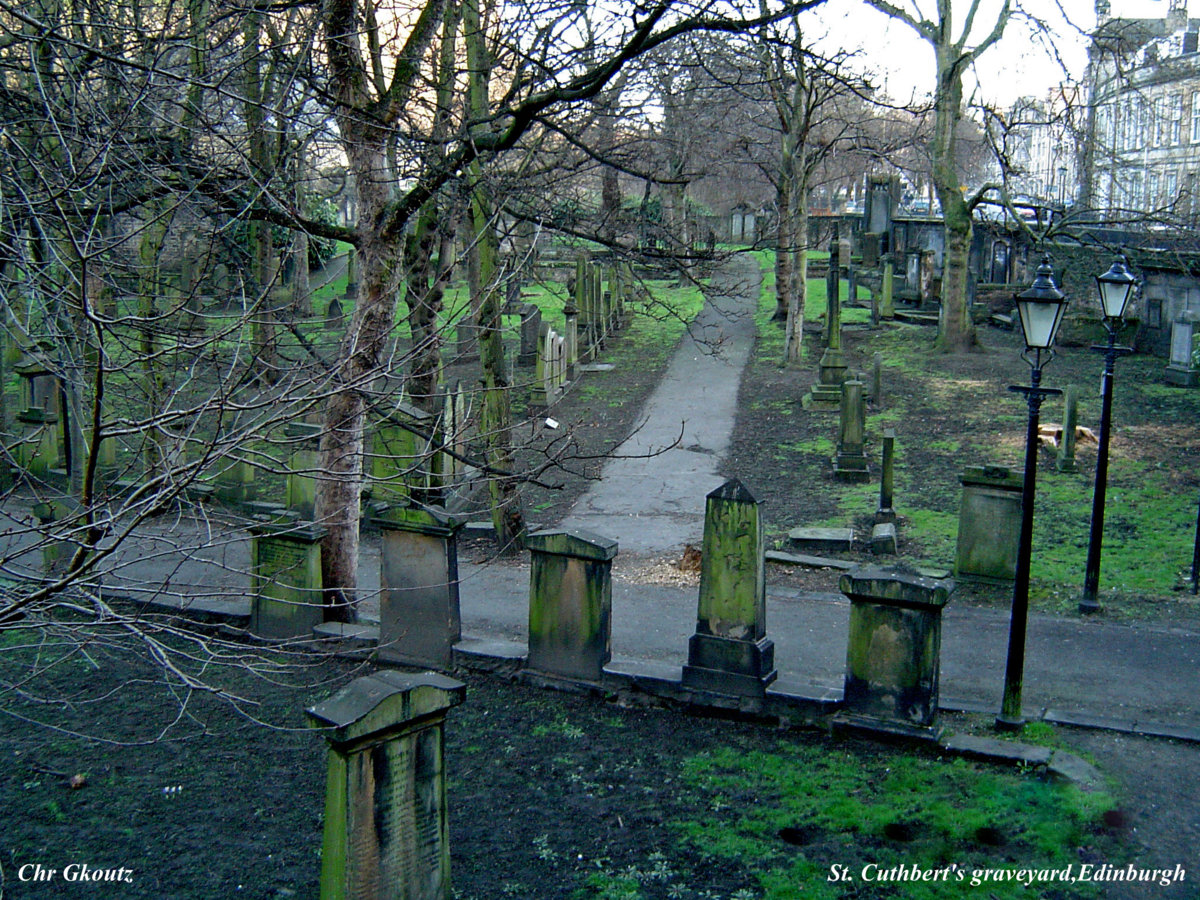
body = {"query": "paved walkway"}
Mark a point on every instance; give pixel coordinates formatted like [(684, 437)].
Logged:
[(1084, 671), (650, 499)]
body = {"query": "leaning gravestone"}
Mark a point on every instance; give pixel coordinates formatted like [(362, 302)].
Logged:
[(286, 587), (893, 652), (730, 652), (386, 835), (570, 603)]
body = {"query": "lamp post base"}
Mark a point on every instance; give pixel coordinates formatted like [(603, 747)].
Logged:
[(1009, 724)]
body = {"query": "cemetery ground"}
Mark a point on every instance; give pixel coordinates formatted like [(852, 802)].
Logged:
[(563, 796), (551, 796)]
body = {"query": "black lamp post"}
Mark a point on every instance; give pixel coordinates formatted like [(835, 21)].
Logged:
[(1041, 310), (1116, 288)]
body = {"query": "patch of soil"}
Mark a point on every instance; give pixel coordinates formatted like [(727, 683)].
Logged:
[(546, 790)]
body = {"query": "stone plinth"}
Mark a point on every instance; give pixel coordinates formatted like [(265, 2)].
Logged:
[(730, 653), (989, 524), (892, 657), (419, 618), (285, 576), (570, 603), (386, 835)]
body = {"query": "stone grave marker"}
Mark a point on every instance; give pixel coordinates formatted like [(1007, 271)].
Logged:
[(893, 651), (386, 834), (531, 329), (989, 524), (419, 618), (1065, 462), (570, 603), (305, 438), (285, 579), (850, 463), (730, 652)]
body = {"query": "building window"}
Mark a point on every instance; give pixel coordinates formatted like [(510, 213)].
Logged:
[(1196, 117), (1152, 199), (1162, 121), (1172, 187), (1177, 119)]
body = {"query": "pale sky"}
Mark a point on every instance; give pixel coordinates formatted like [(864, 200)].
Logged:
[(1020, 65)]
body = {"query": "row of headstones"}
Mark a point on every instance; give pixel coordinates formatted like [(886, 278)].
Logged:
[(891, 682), (593, 313)]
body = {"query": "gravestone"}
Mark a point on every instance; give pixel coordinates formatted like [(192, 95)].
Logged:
[(57, 551), (542, 391), (893, 652), (419, 618), (531, 327), (334, 317), (1182, 369), (234, 482), (400, 454), (989, 524), (1066, 448), (826, 394), (304, 439), (38, 451), (887, 302), (850, 463), (285, 579), (571, 337), (730, 652), (570, 603), (386, 834), (887, 480)]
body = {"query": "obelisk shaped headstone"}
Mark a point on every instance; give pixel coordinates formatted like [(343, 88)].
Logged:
[(730, 653)]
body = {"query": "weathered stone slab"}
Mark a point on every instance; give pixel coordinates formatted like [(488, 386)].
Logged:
[(892, 656), (730, 653), (386, 834), (419, 617), (285, 581), (570, 603), (822, 538), (989, 524)]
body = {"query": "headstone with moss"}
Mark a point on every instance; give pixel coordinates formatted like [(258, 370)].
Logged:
[(989, 524), (386, 834), (304, 439), (286, 586), (570, 603), (730, 652), (400, 454), (850, 463), (1065, 462), (893, 651), (419, 618)]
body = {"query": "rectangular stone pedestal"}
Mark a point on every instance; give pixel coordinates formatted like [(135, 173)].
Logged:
[(730, 666), (893, 653)]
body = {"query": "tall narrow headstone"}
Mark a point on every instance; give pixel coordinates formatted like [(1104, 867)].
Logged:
[(887, 303), (419, 618), (826, 393), (730, 652), (401, 454), (386, 834), (570, 603), (531, 328), (887, 479), (304, 438), (850, 464), (1066, 447)]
